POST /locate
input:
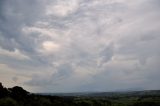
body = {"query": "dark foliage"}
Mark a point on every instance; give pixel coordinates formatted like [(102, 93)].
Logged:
[(18, 93), (3, 91)]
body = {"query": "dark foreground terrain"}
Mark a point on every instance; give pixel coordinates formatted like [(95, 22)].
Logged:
[(17, 96)]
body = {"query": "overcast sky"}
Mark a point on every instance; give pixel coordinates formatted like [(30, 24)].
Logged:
[(80, 45)]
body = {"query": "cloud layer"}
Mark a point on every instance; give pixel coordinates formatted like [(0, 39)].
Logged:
[(80, 45)]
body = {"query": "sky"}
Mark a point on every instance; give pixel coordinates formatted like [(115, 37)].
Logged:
[(80, 45)]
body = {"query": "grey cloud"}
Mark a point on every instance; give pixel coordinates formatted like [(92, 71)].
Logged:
[(153, 35), (96, 31), (18, 14), (132, 77), (106, 54), (15, 15), (38, 81), (15, 79), (62, 72)]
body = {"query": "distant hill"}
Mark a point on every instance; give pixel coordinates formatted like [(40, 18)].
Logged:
[(108, 94)]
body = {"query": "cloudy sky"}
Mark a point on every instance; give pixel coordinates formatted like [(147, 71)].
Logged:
[(80, 45)]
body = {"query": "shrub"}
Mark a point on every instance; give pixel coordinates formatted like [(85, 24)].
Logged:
[(7, 102)]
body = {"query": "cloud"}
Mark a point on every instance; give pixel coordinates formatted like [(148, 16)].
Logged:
[(78, 45), (56, 79), (106, 54), (15, 79), (62, 8), (50, 47), (13, 54)]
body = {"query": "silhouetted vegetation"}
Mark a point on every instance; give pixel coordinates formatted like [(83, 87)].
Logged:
[(17, 96)]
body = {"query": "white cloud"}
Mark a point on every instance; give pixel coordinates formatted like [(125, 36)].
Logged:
[(62, 8), (49, 47), (16, 54), (43, 32)]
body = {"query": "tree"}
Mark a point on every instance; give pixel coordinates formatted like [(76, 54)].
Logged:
[(3, 91), (1, 86), (18, 92), (8, 102)]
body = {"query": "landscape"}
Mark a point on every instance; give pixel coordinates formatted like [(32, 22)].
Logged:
[(79, 52), (17, 96)]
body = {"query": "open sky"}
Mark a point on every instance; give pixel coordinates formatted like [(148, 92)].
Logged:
[(80, 45)]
